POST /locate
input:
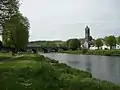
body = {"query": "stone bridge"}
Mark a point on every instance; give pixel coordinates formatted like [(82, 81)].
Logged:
[(47, 49)]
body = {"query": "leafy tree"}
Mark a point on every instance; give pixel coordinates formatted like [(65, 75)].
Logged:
[(63, 44), (51, 44), (15, 32), (98, 43), (118, 40), (8, 8), (74, 44), (67, 42), (110, 41)]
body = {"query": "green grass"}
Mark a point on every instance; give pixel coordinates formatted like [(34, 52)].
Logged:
[(4, 56), (35, 72)]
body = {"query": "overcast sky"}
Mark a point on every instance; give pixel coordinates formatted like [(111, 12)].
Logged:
[(64, 19)]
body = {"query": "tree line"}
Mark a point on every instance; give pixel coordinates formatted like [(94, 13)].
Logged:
[(111, 41), (76, 44), (13, 25)]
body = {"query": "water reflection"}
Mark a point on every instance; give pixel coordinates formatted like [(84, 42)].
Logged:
[(102, 67), (114, 69), (88, 64), (73, 61)]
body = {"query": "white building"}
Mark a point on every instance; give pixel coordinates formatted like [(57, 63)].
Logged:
[(93, 47), (117, 46), (104, 47)]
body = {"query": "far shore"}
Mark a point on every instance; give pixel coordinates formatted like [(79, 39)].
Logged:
[(94, 52)]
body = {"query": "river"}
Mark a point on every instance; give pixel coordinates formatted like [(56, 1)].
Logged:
[(101, 67)]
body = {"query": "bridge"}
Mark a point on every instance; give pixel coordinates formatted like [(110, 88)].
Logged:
[(47, 49)]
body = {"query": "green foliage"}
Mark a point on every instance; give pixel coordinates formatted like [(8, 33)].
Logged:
[(74, 44), (84, 51), (28, 73), (67, 42), (98, 43), (15, 32), (104, 52), (8, 8), (111, 41), (118, 40), (50, 44), (95, 52), (46, 43)]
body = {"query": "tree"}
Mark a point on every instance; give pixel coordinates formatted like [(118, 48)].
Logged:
[(98, 43), (74, 44), (63, 44), (67, 42), (51, 44), (1, 45), (118, 40), (110, 41), (8, 8), (16, 32)]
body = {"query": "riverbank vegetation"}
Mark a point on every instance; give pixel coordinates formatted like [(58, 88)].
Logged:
[(36, 72), (110, 41), (14, 26), (94, 52)]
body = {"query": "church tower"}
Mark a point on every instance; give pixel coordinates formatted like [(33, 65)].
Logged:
[(87, 34), (87, 37)]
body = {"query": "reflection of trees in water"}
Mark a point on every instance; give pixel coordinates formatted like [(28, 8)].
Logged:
[(88, 67), (88, 64), (73, 62), (113, 69)]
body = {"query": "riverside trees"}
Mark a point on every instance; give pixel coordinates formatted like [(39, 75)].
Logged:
[(98, 43), (14, 26), (110, 41), (15, 32), (73, 44), (8, 8), (118, 40)]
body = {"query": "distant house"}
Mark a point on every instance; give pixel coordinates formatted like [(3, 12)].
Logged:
[(104, 47), (117, 46), (93, 47)]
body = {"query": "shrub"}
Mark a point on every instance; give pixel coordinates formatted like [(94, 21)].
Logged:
[(84, 51)]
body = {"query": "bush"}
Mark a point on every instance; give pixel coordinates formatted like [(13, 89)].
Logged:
[(84, 51)]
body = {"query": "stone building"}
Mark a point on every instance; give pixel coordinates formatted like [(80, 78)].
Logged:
[(88, 38)]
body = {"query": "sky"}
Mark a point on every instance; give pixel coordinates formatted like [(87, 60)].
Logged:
[(65, 19)]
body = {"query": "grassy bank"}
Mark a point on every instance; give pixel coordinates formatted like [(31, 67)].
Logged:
[(35, 72), (95, 52)]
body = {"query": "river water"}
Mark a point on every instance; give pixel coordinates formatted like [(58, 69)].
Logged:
[(101, 67)]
